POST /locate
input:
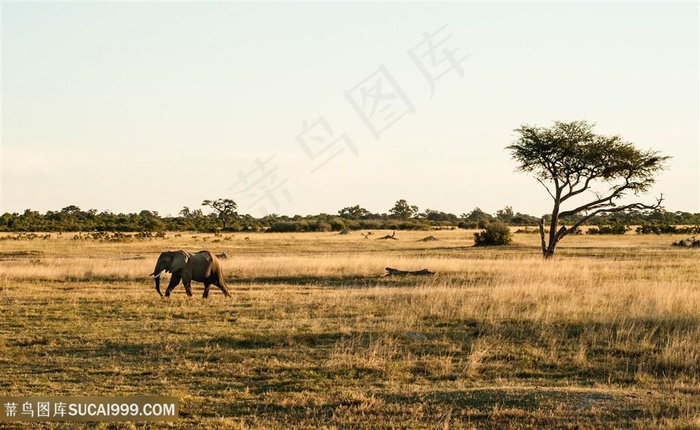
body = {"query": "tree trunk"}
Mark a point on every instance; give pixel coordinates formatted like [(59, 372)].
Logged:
[(554, 236), (547, 248), (544, 246)]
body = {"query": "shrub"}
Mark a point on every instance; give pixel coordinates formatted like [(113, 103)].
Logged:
[(413, 225), (614, 228), (656, 229), (690, 242), (695, 229), (321, 226), (338, 224), (496, 234), (363, 224), (468, 225), (667, 229), (284, 227)]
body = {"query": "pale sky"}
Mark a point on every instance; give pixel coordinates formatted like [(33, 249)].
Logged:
[(131, 106)]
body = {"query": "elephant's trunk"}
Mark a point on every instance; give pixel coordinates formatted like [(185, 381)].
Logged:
[(156, 278)]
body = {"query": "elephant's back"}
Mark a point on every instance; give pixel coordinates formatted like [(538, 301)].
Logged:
[(206, 255)]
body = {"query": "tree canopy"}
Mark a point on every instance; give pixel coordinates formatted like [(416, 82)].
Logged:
[(225, 208), (354, 212), (402, 210)]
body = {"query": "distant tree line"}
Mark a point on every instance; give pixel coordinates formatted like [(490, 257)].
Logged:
[(402, 216)]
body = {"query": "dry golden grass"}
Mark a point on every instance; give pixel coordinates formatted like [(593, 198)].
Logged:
[(606, 335)]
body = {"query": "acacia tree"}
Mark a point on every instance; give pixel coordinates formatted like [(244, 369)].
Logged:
[(568, 159), (225, 208), (403, 210)]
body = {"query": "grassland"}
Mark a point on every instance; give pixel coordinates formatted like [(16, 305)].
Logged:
[(606, 335)]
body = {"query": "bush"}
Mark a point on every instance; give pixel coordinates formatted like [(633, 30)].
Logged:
[(338, 224), (667, 229), (284, 227), (468, 225), (321, 226), (615, 228), (690, 242), (656, 229), (413, 225), (496, 234)]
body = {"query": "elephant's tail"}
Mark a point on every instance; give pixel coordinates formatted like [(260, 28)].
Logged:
[(221, 279)]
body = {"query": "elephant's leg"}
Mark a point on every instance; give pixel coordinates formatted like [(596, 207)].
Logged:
[(206, 290), (223, 289), (174, 280), (187, 282)]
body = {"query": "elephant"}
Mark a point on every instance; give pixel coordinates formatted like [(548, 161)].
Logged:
[(202, 266)]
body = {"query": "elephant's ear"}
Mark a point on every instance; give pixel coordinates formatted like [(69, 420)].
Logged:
[(179, 261)]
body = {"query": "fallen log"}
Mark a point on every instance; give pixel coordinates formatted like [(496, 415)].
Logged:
[(391, 236), (397, 272), (428, 239)]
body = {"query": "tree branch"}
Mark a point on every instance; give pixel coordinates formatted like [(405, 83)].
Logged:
[(573, 193), (545, 187), (605, 201), (637, 206)]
